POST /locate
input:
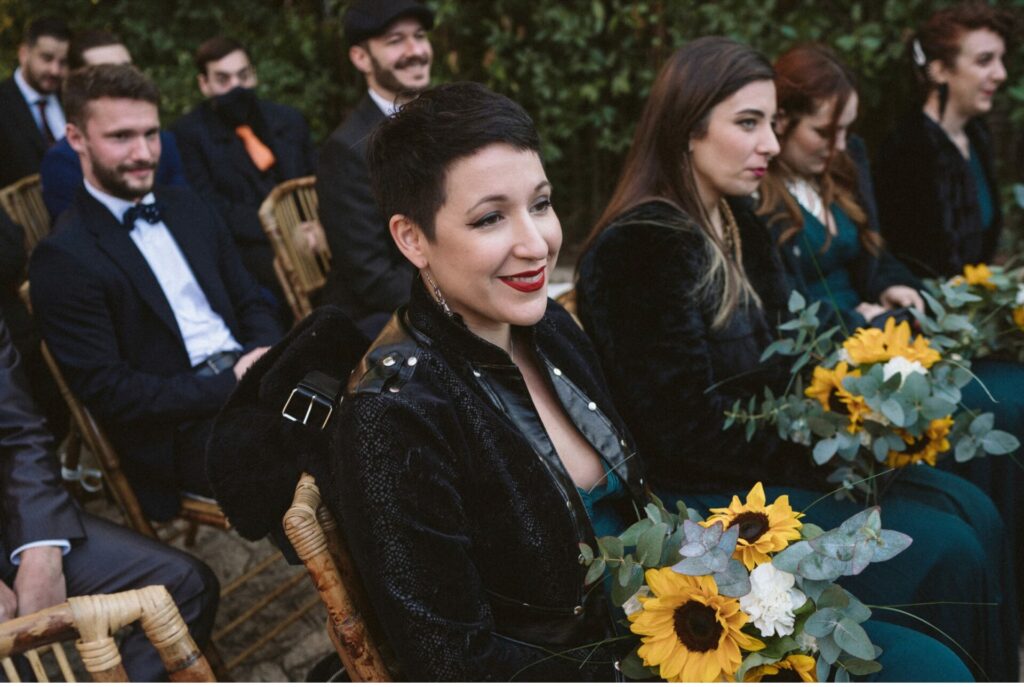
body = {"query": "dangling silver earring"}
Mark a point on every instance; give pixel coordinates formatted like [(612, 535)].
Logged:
[(438, 296)]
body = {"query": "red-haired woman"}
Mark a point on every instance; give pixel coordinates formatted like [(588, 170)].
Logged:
[(818, 201), (937, 194)]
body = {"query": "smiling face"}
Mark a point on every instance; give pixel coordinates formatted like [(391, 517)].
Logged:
[(44, 64), (496, 239), (808, 145), (731, 158), (397, 61), (977, 73), (120, 146)]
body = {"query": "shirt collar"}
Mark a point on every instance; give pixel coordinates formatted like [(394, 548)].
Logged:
[(389, 108), (117, 206), (31, 95)]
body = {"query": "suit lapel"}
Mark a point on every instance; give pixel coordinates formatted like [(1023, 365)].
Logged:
[(113, 239)]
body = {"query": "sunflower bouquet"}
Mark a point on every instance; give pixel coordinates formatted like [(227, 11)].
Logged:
[(979, 312), (747, 594), (879, 400)]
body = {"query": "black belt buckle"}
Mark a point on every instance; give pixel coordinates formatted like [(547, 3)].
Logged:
[(316, 391)]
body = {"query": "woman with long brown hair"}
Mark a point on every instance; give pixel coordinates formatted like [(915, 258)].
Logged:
[(679, 287)]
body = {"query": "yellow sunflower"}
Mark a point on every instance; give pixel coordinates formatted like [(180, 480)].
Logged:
[(1018, 316), (827, 388), (873, 345), (764, 529), (926, 449), (792, 668), (979, 275), (688, 630)]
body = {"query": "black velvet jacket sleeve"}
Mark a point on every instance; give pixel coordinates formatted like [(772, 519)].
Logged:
[(672, 375)]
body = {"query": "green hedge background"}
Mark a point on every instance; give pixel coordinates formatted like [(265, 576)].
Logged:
[(582, 68)]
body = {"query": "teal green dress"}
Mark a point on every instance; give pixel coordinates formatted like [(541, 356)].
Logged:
[(827, 276), (908, 656)]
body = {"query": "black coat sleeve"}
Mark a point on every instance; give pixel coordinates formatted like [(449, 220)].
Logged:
[(639, 303), (36, 505), (360, 243), (397, 486)]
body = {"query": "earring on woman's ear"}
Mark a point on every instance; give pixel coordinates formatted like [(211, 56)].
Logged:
[(438, 296)]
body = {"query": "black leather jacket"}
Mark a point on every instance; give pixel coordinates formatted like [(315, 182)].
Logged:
[(462, 519)]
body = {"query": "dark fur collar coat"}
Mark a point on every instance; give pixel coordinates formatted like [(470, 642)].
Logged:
[(928, 201), (672, 375)]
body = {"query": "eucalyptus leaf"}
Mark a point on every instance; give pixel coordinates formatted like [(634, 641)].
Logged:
[(587, 553), (789, 558), (633, 532), (935, 408), (653, 512), (818, 566), (860, 667), (822, 667), (982, 424), (753, 661), (814, 588), (823, 622), (966, 449), (824, 450), (855, 610), (595, 571), (734, 580), (892, 409), (889, 544), (829, 649), (834, 596), (998, 443), (841, 675), (610, 546), (632, 666), (796, 302), (649, 545), (852, 638)]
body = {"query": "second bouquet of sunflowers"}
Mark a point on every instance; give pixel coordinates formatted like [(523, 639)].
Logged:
[(748, 594), (881, 399)]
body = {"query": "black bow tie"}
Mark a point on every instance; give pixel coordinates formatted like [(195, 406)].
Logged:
[(148, 211)]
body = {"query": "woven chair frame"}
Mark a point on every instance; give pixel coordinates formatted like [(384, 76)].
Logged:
[(23, 201)]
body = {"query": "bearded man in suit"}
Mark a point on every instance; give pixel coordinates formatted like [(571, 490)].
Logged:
[(141, 295), (369, 277)]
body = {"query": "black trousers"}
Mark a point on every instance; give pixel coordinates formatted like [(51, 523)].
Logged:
[(113, 558)]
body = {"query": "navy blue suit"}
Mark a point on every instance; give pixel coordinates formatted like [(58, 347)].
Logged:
[(21, 141), (110, 327), (61, 172)]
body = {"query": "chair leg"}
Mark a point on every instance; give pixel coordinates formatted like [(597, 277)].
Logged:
[(190, 534)]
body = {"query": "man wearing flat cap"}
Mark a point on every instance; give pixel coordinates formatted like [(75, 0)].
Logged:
[(388, 44)]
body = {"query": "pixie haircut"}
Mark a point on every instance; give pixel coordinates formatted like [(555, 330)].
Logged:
[(97, 81), (409, 155)]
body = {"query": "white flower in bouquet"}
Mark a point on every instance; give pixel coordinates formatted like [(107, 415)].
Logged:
[(903, 367), (772, 600), (800, 433), (1020, 294), (633, 604), (807, 643)]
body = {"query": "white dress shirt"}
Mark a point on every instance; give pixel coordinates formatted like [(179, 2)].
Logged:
[(388, 107), (54, 111), (202, 329)]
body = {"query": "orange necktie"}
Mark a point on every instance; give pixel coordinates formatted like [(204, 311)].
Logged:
[(262, 156)]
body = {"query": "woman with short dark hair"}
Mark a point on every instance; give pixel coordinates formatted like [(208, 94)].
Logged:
[(477, 445)]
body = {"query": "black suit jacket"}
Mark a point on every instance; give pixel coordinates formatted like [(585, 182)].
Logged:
[(21, 142), (221, 171), (368, 274), (35, 504), (108, 323)]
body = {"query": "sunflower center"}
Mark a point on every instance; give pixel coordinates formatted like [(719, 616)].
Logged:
[(914, 450), (697, 627), (835, 404), (752, 525), (784, 675)]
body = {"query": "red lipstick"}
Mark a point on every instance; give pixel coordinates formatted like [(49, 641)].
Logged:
[(526, 282), (759, 171)]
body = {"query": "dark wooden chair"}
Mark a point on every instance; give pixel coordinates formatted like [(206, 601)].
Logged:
[(92, 622), (314, 534), (291, 220), (23, 201)]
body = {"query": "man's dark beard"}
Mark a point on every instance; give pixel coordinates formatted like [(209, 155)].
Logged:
[(387, 79), (111, 182)]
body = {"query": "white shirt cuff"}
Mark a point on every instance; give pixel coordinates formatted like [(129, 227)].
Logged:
[(64, 545)]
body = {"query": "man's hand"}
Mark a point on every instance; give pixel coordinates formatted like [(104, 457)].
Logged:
[(901, 297), (246, 361), (869, 311), (40, 582), (313, 235), (8, 603)]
